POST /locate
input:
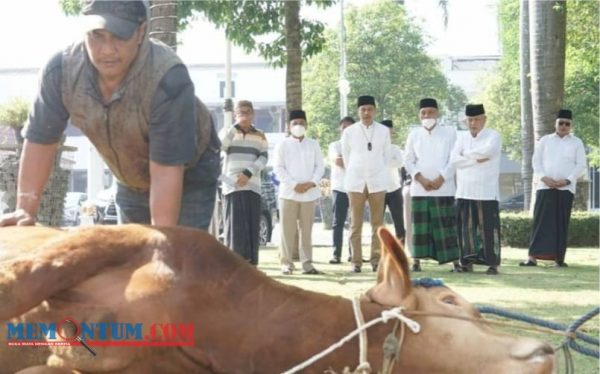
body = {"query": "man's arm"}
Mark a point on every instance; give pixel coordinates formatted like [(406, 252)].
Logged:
[(36, 165), (166, 189)]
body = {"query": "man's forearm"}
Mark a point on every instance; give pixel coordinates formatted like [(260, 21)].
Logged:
[(36, 165), (166, 189)]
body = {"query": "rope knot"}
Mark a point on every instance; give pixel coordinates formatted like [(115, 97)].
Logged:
[(386, 315)]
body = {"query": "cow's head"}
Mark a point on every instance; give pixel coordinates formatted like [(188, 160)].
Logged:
[(455, 344)]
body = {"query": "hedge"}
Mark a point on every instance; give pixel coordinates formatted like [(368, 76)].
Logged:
[(583, 229)]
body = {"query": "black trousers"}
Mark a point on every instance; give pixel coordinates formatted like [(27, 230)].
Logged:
[(478, 223), (241, 217), (394, 202), (340, 214), (551, 216)]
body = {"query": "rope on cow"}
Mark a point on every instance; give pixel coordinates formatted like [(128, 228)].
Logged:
[(570, 330), (363, 364), (386, 315)]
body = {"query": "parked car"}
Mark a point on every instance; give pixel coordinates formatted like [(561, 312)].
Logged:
[(514, 203), (105, 209), (72, 208)]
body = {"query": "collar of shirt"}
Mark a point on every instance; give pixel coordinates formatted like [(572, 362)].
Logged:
[(239, 128), (568, 136)]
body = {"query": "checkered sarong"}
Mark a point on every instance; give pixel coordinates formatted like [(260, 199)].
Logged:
[(434, 228)]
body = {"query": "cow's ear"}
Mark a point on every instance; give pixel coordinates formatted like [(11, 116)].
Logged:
[(393, 278)]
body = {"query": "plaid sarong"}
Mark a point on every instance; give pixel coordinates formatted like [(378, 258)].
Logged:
[(434, 228)]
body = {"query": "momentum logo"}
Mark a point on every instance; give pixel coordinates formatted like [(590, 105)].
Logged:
[(68, 332)]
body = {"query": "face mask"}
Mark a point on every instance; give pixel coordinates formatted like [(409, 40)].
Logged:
[(298, 131), (428, 123)]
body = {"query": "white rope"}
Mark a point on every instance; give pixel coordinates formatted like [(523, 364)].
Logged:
[(386, 315), (363, 364)]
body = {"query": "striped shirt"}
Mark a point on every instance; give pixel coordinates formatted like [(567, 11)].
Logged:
[(245, 152)]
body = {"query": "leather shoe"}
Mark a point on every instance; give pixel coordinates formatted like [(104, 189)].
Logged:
[(528, 263), (491, 271), (312, 271), (335, 260), (416, 267)]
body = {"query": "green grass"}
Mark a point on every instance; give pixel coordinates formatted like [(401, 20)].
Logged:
[(556, 294)]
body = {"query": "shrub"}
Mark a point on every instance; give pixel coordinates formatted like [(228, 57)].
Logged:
[(583, 229)]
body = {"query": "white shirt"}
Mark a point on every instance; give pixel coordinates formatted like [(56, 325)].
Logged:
[(477, 180), (559, 158), (396, 162), (366, 167), (298, 162), (428, 153), (337, 172)]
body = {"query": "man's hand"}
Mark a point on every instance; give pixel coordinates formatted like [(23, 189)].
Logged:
[(426, 183), (550, 182), (303, 187), (479, 161), (17, 218), (437, 182), (242, 180), (339, 161)]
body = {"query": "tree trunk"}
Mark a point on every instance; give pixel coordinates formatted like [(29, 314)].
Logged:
[(294, 56), (163, 22), (527, 143), (547, 43)]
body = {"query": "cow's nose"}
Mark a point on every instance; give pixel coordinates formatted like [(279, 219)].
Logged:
[(531, 349)]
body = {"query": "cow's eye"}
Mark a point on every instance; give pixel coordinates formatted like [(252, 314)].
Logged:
[(449, 300)]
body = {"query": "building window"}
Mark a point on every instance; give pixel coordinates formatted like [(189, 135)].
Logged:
[(222, 89)]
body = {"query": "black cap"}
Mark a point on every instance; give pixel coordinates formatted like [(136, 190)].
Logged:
[(387, 123), (472, 110), (296, 114), (428, 103), (366, 100), (565, 113), (118, 17)]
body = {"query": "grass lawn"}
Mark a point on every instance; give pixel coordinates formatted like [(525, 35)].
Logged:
[(557, 294)]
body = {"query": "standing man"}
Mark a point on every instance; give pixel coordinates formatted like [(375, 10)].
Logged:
[(366, 153), (393, 196), (246, 152), (338, 193), (558, 160), (299, 167), (432, 189), (476, 156), (134, 99)]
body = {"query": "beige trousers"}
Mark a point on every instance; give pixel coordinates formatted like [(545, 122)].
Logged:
[(296, 220), (357, 208)]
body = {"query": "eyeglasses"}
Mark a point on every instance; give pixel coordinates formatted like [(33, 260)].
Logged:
[(564, 123)]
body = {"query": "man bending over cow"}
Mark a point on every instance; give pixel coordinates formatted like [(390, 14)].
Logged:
[(134, 99)]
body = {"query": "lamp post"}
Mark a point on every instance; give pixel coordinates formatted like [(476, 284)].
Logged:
[(343, 84)]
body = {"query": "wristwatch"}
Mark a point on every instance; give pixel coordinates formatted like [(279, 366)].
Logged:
[(568, 182)]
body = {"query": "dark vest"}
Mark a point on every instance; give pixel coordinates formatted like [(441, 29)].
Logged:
[(120, 130)]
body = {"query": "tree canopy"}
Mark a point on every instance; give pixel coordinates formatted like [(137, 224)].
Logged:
[(386, 58), (502, 96), (253, 25)]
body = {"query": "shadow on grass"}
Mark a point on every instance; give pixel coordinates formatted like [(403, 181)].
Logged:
[(575, 277)]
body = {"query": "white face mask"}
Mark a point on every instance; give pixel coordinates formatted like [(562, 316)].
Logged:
[(428, 123), (298, 131)]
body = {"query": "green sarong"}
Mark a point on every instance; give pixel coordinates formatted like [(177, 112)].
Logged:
[(434, 228)]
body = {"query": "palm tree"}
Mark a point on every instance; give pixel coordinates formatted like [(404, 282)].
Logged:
[(293, 40), (547, 47), (163, 22), (527, 142)]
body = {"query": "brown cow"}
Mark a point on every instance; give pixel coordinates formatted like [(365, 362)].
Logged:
[(244, 321)]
